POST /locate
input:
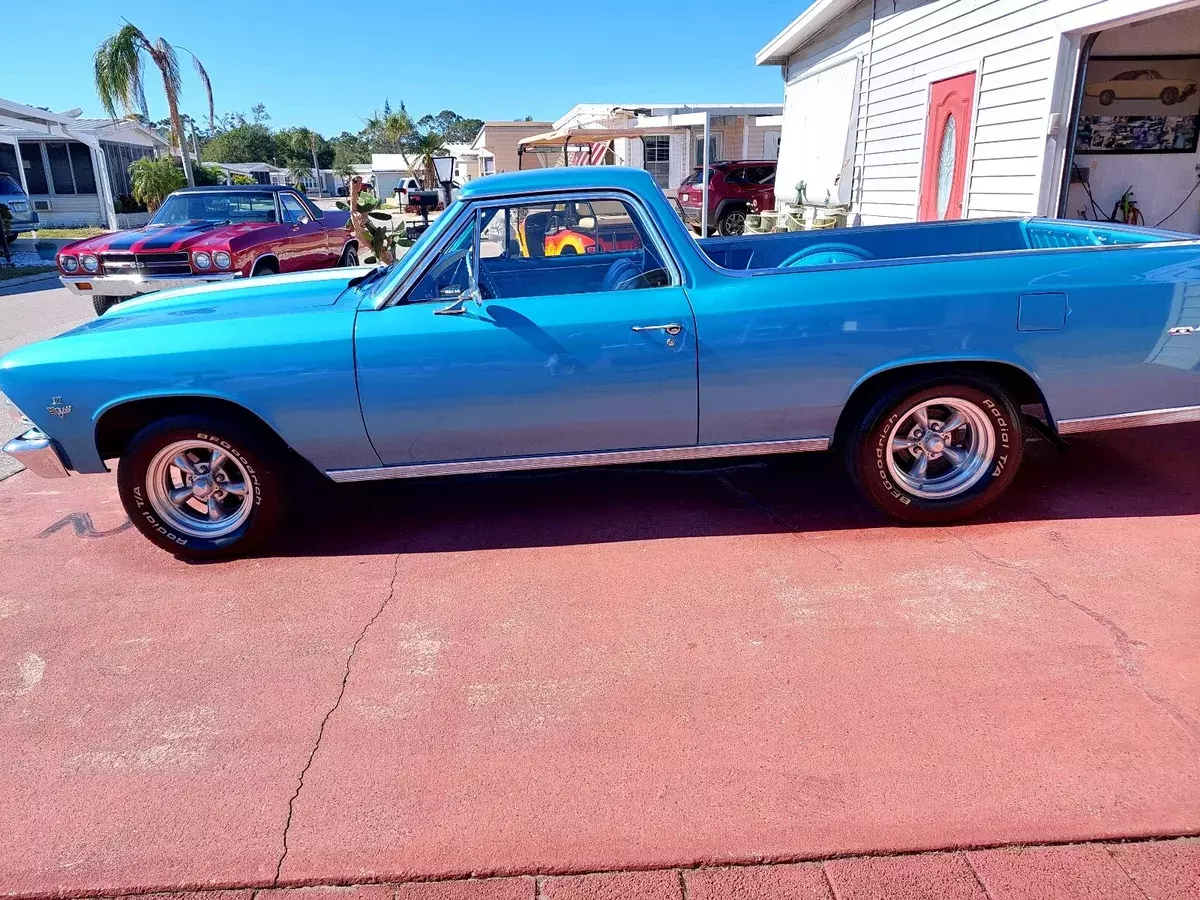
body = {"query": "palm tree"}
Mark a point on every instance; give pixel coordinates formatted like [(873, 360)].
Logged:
[(298, 171), (151, 181), (425, 146), (120, 79)]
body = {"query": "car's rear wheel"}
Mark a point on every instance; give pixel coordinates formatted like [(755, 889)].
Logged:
[(202, 487), (732, 222), (937, 450), (349, 257), (103, 304), (1107, 97)]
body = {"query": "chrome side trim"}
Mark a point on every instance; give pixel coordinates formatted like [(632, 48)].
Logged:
[(573, 460), (1131, 420), (36, 452)]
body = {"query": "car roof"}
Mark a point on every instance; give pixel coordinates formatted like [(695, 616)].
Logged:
[(222, 188), (562, 178)]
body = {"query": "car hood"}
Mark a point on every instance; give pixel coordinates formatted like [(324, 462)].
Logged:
[(164, 238), (248, 298)]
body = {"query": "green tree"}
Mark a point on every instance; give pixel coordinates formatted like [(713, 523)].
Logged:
[(424, 146), (119, 72), (249, 143), (453, 127), (153, 180)]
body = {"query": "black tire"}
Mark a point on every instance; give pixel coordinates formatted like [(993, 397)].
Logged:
[(732, 222), (103, 304), (261, 459), (568, 250), (349, 257), (265, 267), (868, 445), (1107, 97), (1169, 96)]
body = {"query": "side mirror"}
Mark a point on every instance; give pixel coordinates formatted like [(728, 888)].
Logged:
[(459, 306)]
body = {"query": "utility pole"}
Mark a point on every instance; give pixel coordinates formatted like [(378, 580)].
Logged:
[(195, 145)]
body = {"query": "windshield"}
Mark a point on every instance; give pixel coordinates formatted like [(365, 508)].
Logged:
[(235, 206), (694, 178), (390, 275), (8, 185)]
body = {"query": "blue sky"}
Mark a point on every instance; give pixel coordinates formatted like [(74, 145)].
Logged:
[(504, 60)]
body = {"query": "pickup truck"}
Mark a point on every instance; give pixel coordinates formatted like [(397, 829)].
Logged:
[(922, 353), (209, 234)]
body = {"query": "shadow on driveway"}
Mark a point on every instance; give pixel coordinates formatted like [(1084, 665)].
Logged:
[(1135, 473)]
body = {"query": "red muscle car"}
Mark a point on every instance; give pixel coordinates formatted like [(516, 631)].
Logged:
[(206, 234)]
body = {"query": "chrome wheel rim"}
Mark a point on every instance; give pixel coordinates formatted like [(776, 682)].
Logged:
[(735, 223), (199, 489), (940, 448)]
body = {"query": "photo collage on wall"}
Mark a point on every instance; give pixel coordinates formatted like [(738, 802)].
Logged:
[(1146, 104)]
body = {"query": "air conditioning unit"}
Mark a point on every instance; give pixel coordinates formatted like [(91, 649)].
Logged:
[(42, 205)]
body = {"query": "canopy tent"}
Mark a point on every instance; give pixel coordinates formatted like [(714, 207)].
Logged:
[(585, 140)]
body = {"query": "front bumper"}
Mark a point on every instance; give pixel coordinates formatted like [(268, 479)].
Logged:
[(132, 285), (37, 452)]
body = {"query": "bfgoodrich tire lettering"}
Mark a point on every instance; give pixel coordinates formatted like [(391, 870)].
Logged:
[(201, 487), (935, 451)]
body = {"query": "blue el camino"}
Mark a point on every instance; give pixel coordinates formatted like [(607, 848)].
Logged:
[(567, 318)]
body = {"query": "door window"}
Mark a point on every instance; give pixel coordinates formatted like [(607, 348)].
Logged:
[(945, 171), (293, 209), (581, 246)]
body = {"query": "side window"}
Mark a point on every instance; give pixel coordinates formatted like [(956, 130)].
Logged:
[(585, 246), (293, 209)]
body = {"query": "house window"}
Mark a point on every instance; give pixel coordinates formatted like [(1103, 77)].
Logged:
[(35, 172), (81, 168), (60, 168), (715, 149), (9, 162), (658, 159), (118, 158)]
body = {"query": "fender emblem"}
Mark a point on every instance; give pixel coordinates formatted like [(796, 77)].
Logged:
[(1183, 329), (58, 408)]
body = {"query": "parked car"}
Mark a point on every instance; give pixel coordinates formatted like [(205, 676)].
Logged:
[(567, 229), (734, 188), (1142, 84), (202, 235), (921, 353), (24, 216)]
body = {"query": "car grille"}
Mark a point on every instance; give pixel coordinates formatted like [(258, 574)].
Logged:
[(145, 263)]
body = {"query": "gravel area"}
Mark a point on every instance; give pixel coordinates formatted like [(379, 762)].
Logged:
[(29, 258)]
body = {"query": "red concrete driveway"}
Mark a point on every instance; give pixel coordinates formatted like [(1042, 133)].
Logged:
[(638, 668)]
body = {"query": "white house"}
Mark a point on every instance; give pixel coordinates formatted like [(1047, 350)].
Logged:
[(73, 169), (918, 109), (666, 139)]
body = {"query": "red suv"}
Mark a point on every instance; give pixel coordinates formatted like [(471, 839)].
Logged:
[(732, 186)]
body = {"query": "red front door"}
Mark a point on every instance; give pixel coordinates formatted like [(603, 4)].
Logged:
[(947, 136)]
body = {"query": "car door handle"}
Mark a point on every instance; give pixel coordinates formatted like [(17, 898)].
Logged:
[(671, 328)]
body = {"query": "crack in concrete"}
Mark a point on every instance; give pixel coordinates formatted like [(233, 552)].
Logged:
[(754, 503), (336, 703), (1123, 644), (1141, 890), (975, 874)]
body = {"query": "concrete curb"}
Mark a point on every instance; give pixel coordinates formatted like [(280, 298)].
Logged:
[(28, 279), (1165, 868)]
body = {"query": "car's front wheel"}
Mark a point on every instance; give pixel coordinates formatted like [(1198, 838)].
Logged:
[(936, 450), (103, 304), (202, 487)]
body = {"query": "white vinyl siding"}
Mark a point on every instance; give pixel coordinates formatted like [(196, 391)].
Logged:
[(1012, 45)]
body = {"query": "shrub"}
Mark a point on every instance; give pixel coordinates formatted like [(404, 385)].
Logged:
[(153, 180)]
